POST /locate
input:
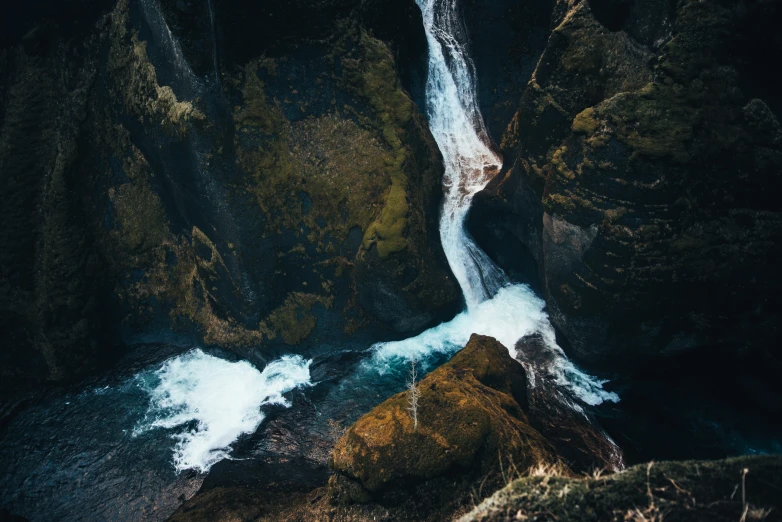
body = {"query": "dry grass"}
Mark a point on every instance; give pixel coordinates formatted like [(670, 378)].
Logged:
[(548, 469)]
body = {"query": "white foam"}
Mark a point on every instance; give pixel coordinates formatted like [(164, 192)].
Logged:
[(222, 398), (458, 129), (514, 312)]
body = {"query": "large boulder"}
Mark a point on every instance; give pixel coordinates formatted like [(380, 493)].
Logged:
[(469, 422)]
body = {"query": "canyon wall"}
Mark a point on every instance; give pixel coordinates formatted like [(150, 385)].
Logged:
[(218, 174)]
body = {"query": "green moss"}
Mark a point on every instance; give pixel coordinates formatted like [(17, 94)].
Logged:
[(701, 40), (352, 177), (138, 211), (374, 78), (143, 243), (557, 159), (556, 203), (585, 54), (346, 169), (293, 320), (585, 122), (615, 214), (255, 110), (342, 166), (389, 229), (135, 78), (658, 121), (544, 101), (586, 163)]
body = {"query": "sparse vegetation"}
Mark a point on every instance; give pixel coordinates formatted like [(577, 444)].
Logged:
[(413, 394), (654, 492)]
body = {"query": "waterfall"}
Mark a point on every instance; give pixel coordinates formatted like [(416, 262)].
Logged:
[(495, 307), (185, 390), (187, 84), (458, 128)]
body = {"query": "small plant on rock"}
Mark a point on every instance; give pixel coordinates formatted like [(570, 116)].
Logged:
[(413, 394)]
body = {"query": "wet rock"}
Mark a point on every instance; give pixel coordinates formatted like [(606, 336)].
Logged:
[(506, 39), (563, 418)]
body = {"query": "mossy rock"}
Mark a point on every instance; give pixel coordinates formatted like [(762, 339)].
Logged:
[(646, 162), (671, 491), (657, 121), (468, 417)]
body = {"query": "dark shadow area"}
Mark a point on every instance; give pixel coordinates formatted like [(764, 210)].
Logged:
[(704, 404)]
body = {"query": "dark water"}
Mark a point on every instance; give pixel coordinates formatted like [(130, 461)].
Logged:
[(75, 454), (71, 455), (704, 404)]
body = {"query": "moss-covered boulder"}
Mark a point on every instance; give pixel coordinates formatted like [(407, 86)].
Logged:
[(743, 488), (469, 421)]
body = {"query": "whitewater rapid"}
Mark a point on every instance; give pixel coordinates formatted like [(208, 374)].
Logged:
[(458, 129), (208, 402)]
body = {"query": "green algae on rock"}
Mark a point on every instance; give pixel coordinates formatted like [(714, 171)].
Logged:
[(136, 77), (228, 210), (366, 164)]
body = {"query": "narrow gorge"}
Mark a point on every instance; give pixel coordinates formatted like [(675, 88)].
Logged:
[(231, 230)]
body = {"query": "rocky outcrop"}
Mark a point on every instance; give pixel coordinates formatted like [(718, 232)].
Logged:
[(470, 422), (638, 180), (472, 435), (677, 491), (575, 433), (745, 488), (163, 182)]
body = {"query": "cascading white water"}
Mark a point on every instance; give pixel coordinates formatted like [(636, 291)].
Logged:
[(495, 307), (196, 387), (458, 128)]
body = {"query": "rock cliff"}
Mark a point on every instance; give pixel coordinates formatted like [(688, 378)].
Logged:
[(169, 177), (640, 168)]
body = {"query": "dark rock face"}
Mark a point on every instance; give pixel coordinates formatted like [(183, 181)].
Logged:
[(506, 39), (639, 180), (187, 172), (575, 434)]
